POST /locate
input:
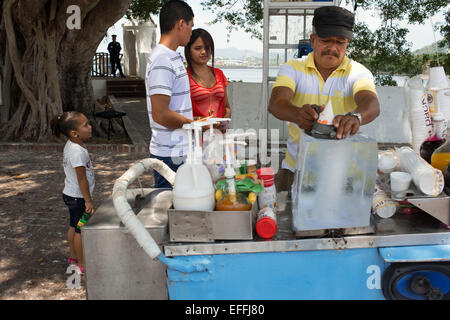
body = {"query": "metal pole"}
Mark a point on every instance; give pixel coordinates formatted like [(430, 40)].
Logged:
[(265, 84), (286, 35)]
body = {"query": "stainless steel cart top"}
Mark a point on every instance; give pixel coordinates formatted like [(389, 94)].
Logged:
[(400, 230)]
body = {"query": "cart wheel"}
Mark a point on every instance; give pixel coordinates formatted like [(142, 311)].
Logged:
[(417, 281)]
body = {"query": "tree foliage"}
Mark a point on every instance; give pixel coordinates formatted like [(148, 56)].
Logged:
[(385, 51), (244, 14), (141, 10), (45, 64)]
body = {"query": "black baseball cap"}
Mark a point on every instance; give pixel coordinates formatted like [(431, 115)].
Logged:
[(333, 21), (114, 36)]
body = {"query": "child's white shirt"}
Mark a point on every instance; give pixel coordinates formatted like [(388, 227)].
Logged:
[(76, 156)]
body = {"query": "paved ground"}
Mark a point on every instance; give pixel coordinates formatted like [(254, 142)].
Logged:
[(34, 220), (136, 121)]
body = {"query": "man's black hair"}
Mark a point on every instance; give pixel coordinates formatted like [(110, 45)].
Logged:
[(172, 12)]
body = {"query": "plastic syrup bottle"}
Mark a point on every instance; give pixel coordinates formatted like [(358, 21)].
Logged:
[(441, 156), (268, 197), (436, 140), (231, 200), (84, 218), (266, 224)]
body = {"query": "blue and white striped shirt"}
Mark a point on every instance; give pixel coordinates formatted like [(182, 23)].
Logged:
[(167, 75)]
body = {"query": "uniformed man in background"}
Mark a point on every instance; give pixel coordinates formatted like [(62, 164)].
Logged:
[(114, 54)]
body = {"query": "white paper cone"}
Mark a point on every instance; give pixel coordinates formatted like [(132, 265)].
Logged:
[(327, 115)]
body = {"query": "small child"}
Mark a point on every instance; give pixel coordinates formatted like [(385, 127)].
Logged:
[(80, 180)]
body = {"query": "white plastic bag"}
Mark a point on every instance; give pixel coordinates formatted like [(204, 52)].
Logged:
[(213, 153)]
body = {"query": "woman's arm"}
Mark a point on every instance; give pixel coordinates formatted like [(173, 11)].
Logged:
[(227, 105)]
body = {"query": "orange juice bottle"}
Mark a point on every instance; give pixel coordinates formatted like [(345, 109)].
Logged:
[(441, 156)]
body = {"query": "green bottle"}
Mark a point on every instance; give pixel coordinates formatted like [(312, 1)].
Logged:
[(84, 218)]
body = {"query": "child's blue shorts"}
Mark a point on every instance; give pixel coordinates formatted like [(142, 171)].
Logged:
[(76, 207)]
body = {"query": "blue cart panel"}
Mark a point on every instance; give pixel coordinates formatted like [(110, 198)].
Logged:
[(326, 274)]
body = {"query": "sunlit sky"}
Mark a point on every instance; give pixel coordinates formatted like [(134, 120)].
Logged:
[(419, 35)]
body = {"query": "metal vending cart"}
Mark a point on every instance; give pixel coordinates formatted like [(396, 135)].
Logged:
[(131, 253), (406, 256)]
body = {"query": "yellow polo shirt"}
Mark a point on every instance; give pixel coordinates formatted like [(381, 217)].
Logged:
[(309, 88)]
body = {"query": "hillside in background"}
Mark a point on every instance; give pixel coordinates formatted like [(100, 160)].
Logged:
[(233, 53), (431, 49)]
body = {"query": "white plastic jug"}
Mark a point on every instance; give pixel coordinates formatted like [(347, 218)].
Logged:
[(193, 188)]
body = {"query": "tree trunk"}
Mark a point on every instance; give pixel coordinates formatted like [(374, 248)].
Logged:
[(45, 66)]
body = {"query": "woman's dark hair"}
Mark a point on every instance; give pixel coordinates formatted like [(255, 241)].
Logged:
[(172, 12), (207, 40), (65, 122)]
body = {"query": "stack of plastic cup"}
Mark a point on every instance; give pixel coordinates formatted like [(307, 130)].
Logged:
[(439, 126), (436, 87), (428, 179), (387, 161), (382, 204), (419, 115)]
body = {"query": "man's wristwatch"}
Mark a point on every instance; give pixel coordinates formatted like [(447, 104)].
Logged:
[(355, 114)]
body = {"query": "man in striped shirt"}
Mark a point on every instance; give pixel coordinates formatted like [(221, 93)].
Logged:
[(327, 74), (168, 92)]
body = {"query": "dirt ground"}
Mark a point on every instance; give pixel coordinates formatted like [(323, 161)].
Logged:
[(34, 221)]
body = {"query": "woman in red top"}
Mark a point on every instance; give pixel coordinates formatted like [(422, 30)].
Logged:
[(208, 84)]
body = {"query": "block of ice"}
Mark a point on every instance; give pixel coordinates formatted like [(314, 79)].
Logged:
[(334, 183)]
